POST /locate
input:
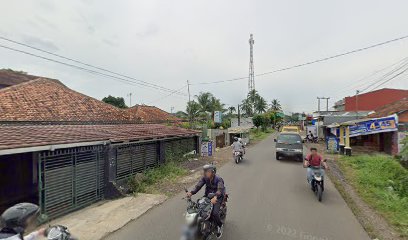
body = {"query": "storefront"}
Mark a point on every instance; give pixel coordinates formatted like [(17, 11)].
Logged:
[(374, 134)]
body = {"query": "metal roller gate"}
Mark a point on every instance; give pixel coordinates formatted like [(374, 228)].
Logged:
[(70, 179)]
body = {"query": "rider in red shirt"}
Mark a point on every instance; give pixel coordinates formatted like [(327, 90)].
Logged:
[(314, 160)]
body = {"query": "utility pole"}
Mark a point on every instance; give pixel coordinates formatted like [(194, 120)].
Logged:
[(327, 103), (357, 92), (171, 110), (239, 116), (251, 80), (188, 87), (130, 99)]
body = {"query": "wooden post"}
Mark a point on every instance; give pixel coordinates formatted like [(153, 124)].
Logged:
[(341, 136), (347, 139)]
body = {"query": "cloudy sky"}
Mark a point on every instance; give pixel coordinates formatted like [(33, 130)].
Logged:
[(169, 42)]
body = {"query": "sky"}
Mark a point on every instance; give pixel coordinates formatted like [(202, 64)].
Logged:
[(169, 42)]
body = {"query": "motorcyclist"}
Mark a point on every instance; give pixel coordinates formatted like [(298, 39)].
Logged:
[(213, 184), (314, 160), (237, 146), (17, 220)]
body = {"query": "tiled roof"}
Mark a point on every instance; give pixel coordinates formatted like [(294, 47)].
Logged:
[(10, 78), (21, 136), (151, 114), (49, 100), (389, 109)]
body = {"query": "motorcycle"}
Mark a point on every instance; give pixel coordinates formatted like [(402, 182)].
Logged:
[(309, 139), (238, 156), (199, 224), (59, 232), (317, 182)]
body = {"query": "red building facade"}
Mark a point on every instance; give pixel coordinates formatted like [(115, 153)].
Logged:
[(373, 100)]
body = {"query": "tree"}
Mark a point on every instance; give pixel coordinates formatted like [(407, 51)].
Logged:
[(260, 104), (115, 101), (275, 105), (246, 107), (181, 114), (205, 101), (232, 109), (193, 110), (257, 120)]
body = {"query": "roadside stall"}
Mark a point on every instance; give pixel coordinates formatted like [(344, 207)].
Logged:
[(371, 134), (239, 132)]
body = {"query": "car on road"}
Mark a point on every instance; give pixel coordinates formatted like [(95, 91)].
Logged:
[(289, 145), (294, 129)]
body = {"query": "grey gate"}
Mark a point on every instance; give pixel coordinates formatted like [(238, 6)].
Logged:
[(70, 179), (135, 158)]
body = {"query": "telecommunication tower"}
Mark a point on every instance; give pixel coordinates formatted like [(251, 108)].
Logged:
[(251, 80)]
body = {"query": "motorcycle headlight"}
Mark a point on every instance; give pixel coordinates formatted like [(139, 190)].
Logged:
[(190, 218)]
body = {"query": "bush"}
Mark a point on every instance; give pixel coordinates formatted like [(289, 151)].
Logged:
[(383, 183)]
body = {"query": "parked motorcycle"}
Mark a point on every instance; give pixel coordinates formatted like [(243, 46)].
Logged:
[(309, 139), (238, 156), (199, 224), (317, 182)]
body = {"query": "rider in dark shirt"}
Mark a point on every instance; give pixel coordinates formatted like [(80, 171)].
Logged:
[(213, 184)]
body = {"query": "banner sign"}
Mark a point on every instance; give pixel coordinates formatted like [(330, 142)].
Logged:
[(332, 144), (206, 149), (373, 126), (218, 117)]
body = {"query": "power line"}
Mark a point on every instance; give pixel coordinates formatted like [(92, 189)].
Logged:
[(362, 81), (393, 77), (312, 62), (83, 63), (88, 70), (166, 96)]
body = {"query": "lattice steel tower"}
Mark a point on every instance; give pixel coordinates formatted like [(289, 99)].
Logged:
[(251, 79)]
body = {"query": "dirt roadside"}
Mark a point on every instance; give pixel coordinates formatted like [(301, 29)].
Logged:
[(374, 224)]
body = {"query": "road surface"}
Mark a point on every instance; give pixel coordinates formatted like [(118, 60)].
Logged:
[(269, 199)]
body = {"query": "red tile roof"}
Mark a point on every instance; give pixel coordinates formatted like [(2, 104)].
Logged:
[(151, 114), (389, 109), (49, 100), (10, 78), (21, 136)]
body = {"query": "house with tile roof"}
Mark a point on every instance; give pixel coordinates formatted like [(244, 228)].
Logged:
[(49, 100), (9, 78), (64, 150), (151, 114)]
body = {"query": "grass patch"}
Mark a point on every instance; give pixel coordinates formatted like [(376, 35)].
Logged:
[(383, 183), (145, 182), (258, 134)]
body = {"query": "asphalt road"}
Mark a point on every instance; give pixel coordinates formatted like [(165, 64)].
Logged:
[(269, 199)]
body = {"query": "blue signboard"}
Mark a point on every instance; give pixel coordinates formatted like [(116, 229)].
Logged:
[(332, 144), (372, 126)]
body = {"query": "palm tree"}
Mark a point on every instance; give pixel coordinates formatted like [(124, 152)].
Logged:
[(231, 110), (193, 110), (275, 105), (205, 100), (260, 104), (246, 107)]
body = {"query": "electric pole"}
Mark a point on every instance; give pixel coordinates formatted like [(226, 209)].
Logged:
[(188, 88), (251, 80), (239, 116), (357, 92), (327, 103), (130, 99)]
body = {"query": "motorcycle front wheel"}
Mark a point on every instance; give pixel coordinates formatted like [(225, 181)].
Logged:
[(319, 192)]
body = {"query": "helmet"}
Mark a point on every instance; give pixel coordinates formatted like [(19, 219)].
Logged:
[(15, 218), (235, 139), (211, 167)]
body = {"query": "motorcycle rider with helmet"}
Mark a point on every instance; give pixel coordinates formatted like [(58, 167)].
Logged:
[(237, 146), (213, 184), (17, 220)]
